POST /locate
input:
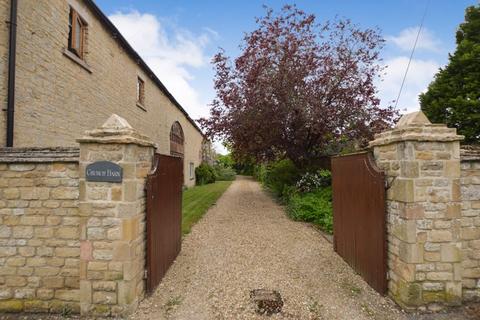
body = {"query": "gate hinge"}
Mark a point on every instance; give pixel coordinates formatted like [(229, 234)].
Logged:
[(389, 182), (145, 274)]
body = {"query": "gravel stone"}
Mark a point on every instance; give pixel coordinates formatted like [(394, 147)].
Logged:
[(246, 242)]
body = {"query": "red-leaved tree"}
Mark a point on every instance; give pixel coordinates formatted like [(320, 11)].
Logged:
[(298, 89)]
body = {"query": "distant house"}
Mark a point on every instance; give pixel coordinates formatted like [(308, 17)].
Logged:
[(73, 70)]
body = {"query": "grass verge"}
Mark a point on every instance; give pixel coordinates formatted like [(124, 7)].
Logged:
[(197, 200)]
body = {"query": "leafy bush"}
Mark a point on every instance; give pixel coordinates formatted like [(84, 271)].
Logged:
[(288, 193), (260, 172), (326, 177), (280, 174), (308, 197), (244, 169), (315, 207), (204, 174), (225, 160), (312, 181), (309, 182), (224, 173)]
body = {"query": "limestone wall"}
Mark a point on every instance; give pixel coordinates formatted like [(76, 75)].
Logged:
[(58, 99), (39, 230), (470, 222), (68, 244), (432, 214)]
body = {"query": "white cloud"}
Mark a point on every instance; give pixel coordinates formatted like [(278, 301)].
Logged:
[(171, 53), (219, 147), (406, 39), (419, 76)]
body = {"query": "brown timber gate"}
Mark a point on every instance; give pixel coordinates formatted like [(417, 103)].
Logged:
[(164, 216), (359, 214)]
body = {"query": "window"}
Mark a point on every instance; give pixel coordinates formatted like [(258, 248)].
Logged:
[(76, 34), (192, 171), (176, 140), (140, 91)]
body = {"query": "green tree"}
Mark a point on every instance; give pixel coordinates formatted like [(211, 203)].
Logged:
[(453, 97), (226, 160)]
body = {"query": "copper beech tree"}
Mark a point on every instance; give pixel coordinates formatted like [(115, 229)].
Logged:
[(298, 88)]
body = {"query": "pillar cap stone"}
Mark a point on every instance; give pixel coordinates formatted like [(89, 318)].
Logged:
[(415, 126), (414, 118), (116, 130)]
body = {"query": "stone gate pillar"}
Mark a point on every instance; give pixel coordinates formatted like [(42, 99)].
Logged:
[(422, 164), (112, 239)]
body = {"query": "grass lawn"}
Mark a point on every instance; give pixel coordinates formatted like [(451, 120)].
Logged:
[(198, 199)]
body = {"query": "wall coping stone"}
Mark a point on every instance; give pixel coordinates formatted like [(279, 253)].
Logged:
[(414, 118), (415, 126), (36, 154), (470, 153), (417, 132), (116, 130)]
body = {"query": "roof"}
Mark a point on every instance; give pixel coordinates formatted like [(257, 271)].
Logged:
[(135, 56)]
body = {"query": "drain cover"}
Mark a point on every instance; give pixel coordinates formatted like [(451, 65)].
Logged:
[(266, 301)]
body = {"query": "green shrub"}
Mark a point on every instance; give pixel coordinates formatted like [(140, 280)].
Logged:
[(245, 169), (245, 166), (280, 174), (312, 181), (326, 177), (288, 193), (224, 173), (315, 207), (225, 160), (260, 172), (204, 174)]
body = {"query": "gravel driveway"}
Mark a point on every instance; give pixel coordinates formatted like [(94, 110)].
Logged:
[(246, 242)]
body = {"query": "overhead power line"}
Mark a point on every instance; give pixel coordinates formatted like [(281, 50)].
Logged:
[(413, 51)]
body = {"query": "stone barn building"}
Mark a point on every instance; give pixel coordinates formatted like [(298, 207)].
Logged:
[(65, 68)]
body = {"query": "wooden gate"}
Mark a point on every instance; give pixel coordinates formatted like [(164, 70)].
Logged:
[(359, 213), (164, 217)]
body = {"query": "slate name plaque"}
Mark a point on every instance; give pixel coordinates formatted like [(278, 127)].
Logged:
[(104, 171)]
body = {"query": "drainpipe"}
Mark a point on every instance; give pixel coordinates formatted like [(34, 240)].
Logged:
[(11, 72)]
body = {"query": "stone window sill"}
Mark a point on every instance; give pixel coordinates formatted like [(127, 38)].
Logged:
[(141, 106), (77, 60)]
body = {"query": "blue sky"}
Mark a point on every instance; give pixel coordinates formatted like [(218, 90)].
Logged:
[(178, 38)]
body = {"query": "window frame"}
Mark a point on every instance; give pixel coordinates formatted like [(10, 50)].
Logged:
[(76, 21), (177, 140), (140, 91), (192, 171)]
